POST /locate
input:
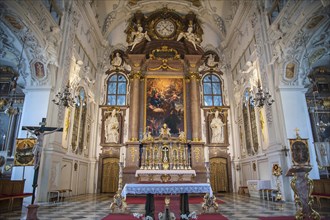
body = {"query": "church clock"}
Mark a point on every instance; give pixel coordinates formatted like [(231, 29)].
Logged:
[(165, 28)]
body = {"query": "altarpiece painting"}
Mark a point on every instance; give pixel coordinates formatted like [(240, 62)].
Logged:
[(165, 103)]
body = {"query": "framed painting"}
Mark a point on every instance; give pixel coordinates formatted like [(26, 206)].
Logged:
[(165, 104), (299, 152), (24, 151)]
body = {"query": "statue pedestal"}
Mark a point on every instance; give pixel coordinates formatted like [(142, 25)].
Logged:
[(302, 187), (32, 213)]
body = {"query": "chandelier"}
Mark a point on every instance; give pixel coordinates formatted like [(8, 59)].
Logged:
[(262, 97), (65, 98)]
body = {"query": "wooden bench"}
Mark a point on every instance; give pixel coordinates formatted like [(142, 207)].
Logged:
[(12, 194), (321, 190)]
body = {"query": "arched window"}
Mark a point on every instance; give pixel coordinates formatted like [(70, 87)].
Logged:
[(250, 124), (117, 89), (78, 132), (212, 93)]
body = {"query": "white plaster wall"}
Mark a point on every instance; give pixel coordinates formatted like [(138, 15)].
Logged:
[(66, 177), (263, 169), (82, 178), (118, 35), (210, 37), (296, 116), (34, 109), (246, 173)]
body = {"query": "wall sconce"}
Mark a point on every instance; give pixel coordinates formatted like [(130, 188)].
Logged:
[(261, 98), (65, 98)]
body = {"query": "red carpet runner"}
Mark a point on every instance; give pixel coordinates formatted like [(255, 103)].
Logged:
[(130, 217)]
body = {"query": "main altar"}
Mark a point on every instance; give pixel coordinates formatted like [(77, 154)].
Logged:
[(164, 158), (165, 131)]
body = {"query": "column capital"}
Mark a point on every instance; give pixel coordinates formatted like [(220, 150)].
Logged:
[(193, 62), (193, 76), (136, 75)]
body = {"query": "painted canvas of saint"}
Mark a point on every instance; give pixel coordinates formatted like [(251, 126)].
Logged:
[(164, 104)]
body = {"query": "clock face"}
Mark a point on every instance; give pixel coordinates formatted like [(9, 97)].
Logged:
[(165, 28)]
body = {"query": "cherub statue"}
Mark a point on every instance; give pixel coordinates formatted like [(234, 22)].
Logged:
[(138, 36), (182, 136), (191, 37)]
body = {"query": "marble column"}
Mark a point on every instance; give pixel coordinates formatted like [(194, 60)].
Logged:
[(132, 158), (136, 75), (194, 77), (197, 147)]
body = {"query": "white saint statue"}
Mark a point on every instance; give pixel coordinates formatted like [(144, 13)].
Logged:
[(217, 129), (117, 60), (112, 124)]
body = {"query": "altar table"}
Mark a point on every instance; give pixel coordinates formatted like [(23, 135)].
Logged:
[(256, 185), (153, 173), (166, 188)]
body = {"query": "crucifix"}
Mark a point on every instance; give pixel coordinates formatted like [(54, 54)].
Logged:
[(297, 133), (40, 132)]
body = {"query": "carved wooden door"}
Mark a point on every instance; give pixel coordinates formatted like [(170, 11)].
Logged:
[(219, 175), (110, 173)]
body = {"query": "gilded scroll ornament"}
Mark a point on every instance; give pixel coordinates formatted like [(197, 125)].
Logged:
[(132, 152), (164, 66), (197, 152)]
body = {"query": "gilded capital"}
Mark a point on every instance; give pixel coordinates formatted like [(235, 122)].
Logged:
[(194, 75), (136, 75)]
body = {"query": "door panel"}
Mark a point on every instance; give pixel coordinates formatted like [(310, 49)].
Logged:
[(219, 175), (110, 173)]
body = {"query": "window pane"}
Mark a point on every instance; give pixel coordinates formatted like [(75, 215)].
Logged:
[(121, 88), (112, 88), (216, 88), (121, 100), (111, 100), (208, 100), (217, 101), (207, 78), (215, 78), (121, 78), (113, 78), (207, 88)]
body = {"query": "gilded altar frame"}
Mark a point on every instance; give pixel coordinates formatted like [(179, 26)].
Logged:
[(165, 102), (24, 152)]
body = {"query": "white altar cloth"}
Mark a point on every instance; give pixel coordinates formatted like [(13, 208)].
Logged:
[(166, 188), (161, 172)]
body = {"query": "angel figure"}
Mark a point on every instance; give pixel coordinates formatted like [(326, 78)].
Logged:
[(138, 36), (191, 37), (165, 131)]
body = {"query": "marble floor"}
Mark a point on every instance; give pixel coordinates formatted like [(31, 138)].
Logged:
[(96, 206)]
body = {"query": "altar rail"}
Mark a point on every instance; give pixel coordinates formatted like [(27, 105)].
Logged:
[(165, 155)]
